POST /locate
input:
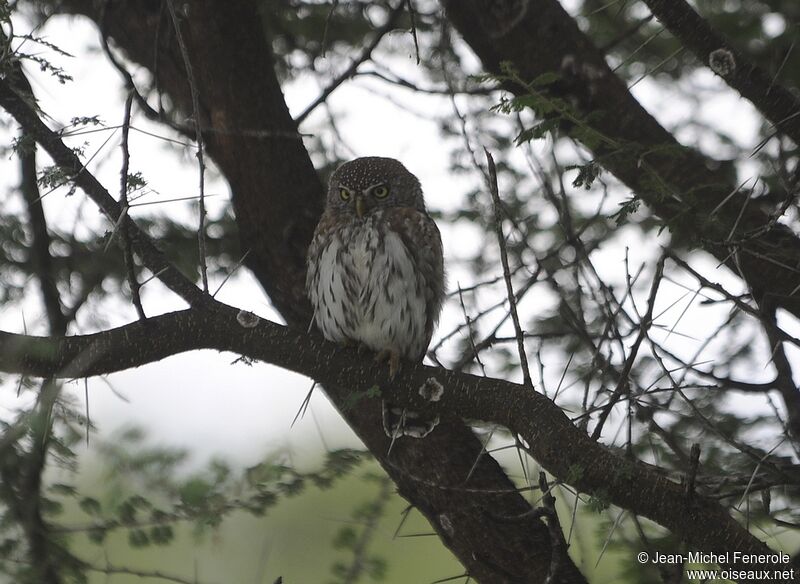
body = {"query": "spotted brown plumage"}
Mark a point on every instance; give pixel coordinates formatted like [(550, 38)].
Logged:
[(376, 270)]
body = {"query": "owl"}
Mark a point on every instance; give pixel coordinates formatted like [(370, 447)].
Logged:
[(376, 270)]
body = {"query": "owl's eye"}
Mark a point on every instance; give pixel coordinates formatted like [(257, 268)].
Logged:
[(380, 191), (344, 193)]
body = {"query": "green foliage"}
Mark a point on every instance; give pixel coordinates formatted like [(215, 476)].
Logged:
[(587, 173), (138, 538), (145, 497), (599, 501), (52, 177), (356, 539), (574, 474), (626, 208), (355, 397), (90, 506), (136, 182)]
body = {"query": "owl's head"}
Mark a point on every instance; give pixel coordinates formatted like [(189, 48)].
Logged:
[(363, 185)]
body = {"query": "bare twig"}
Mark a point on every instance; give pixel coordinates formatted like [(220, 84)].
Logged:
[(69, 161), (201, 229), (413, 14), (498, 225), (328, 19), (557, 543), (366, 55), (40, 249), (784, 374), (470, 332), (123, 198), (238, 265), (691, 476), (644, 326), (128, 78)]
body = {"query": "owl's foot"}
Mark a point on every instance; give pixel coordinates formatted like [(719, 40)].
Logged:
[(392, 357)]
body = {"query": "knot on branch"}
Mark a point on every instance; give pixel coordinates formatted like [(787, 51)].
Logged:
[(431, 390), (722, 62), (446, 524), (247, 319)]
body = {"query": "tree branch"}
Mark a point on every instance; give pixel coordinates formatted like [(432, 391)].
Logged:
[(564, 450), (773, 100), (40, 256), (675, 181), (23, 113), (366, 55)]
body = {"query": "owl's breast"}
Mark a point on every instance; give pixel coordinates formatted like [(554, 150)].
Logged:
[(362, 249), (367, 289)]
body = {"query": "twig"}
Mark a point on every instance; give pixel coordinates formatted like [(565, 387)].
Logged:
[(201, 229), (111, 570), (328, 19), (405, 83), (657, 66), (360, 547), (644, 326), (232, 272), (691, 476), (470, 332), (40, 255), (66, 158), (304, 406), (498, 226), (365, 55), (145, 107), (558, 547), (412, 13), (784, 374), (738, 302), (123, 198)]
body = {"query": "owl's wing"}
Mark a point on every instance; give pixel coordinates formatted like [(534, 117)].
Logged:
[(322, 236), (421, 237)]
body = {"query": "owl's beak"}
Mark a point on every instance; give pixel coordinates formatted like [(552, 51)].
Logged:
[(360, 206)]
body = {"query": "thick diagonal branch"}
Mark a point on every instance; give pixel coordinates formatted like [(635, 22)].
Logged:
[(676, 182), (772, 99)]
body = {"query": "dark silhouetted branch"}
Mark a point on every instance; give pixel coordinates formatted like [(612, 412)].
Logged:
[(773, 100)]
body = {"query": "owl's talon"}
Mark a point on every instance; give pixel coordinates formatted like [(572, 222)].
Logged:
[(392, 357)]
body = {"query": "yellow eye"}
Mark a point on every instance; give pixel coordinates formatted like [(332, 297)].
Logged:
[(380, 191), (344, 193)]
